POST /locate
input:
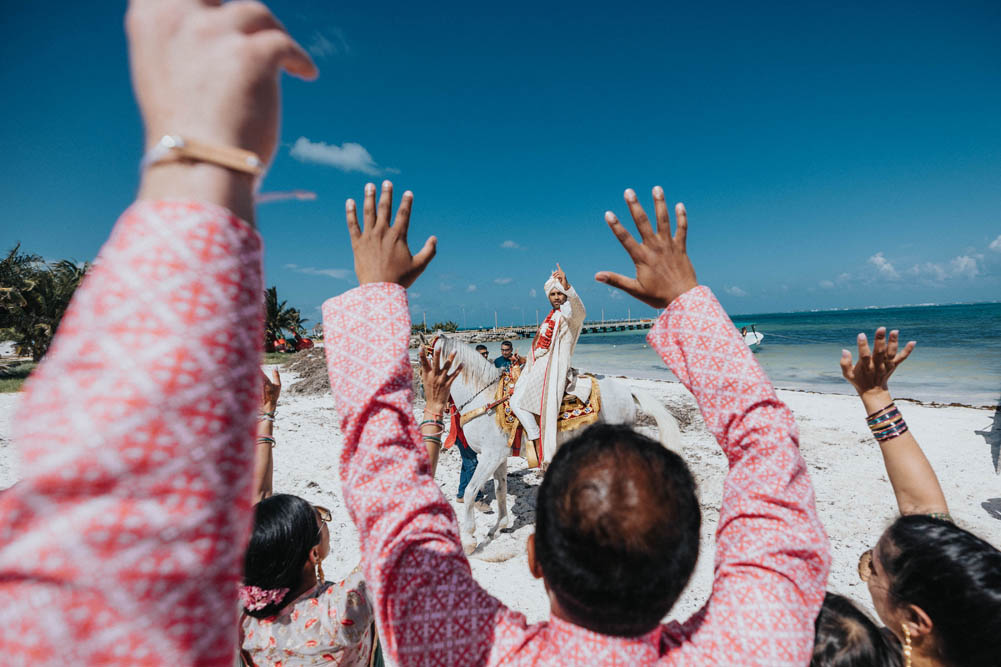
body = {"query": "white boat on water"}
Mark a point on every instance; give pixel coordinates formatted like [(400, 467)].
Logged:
[(750, 335)]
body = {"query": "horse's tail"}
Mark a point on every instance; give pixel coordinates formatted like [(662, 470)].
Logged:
[(667, 425)]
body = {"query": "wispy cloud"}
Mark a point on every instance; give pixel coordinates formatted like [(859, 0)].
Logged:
[(509, 244), (340, 274), (346, 157), (331, 42), (733, 290), (614, 293), (884, 266), (471, 287), (996, 244), (965, 266), (532, 293), (827, 284), (502, 281)]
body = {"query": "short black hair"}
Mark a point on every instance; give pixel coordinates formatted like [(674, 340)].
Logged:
[(955, 577), (285, 530), (617, 530), (480, 347), (506, 342), (847, 637)]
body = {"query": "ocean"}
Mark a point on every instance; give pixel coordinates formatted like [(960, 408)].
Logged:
[(957, 358)]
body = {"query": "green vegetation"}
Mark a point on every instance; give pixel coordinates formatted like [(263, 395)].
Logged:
[(276, 357), (34, 294), (279, 318), (12, 376), (449, 327)]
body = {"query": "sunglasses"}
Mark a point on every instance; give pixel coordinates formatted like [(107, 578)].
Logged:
[(324, 515), (865, 568)]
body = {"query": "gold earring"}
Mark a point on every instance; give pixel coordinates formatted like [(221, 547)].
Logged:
[(907, 645)]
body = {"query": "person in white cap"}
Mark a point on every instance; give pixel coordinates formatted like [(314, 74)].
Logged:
[(539, 391)]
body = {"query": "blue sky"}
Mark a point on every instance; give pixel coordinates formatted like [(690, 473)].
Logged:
[(828, 156)]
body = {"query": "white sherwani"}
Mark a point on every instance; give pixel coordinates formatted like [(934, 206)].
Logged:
[(540, 388)]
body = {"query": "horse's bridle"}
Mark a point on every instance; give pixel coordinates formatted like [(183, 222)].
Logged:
[(429, 350)]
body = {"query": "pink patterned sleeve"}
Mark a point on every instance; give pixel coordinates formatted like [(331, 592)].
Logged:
[(429, 608), (122, 542), (772, 556)]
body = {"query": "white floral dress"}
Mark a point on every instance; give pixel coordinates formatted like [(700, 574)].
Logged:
[(330, 624)]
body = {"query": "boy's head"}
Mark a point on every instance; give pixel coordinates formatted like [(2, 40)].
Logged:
[(616, 530)]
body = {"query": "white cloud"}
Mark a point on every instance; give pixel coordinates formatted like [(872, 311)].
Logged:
[(733, 290), (340, 274), (996, 244), (502, 281), (510, 244), (532, 293), (471, 287), (965, 266), (346, 157), (884, 266), (827, 284), (321, 45), (614, 293)]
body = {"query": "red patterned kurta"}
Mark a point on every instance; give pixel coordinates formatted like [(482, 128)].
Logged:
[(772, 556), (122, 544)]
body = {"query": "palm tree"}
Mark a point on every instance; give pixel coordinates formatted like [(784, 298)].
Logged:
[(34, 296), (278, 318)]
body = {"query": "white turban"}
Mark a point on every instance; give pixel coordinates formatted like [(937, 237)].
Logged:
[(552, 284)]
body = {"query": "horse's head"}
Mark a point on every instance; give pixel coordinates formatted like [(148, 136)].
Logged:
[(477, 372)]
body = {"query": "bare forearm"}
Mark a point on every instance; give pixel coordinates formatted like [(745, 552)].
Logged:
[(263, 462), (913, 479)]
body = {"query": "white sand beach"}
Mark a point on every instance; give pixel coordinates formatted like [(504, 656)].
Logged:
[(853, 494)]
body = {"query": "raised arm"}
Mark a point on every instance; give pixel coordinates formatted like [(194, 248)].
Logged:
[(772, 556), (122, 542), (265, 441), (911, 475), (423, 590)]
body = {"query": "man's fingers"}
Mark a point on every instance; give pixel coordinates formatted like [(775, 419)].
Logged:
[(681, 227), (863, 347), (639, 215), (279, 49), (621, 233), (846, 365), (906, 352), (402, 223), (385, 205), (426, 254), (629, 285), (368, 210), (248, 16), (660, 212), (351, 212)]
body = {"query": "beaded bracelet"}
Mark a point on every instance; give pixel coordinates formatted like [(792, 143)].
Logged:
[(873, 414), (265, 440), (432, 438), (883, 418), (430, 422), (266, 417)]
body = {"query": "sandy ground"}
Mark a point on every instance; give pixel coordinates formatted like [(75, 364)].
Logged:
[(854, 497)]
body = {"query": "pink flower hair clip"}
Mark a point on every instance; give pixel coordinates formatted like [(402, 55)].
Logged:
[(253, 598)]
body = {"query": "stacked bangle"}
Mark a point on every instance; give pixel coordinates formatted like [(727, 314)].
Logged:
[(435, 420), (266, 417), (265, 440), (886, 423)]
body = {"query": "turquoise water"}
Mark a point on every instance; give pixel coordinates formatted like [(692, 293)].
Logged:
[(957, 359)]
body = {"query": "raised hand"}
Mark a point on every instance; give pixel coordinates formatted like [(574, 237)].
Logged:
[(663, 269), (437, 379), (874, 368), (561, 276), (209, 70), (272, 389), (381, 252)]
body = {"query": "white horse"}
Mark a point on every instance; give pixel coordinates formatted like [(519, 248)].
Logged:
[(475, 387)]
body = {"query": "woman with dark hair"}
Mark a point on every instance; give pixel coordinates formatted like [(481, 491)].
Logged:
[(936, 586), (847, 637), (292, 615)]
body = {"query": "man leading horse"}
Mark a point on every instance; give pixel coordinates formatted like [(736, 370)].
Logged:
[(548, 375)]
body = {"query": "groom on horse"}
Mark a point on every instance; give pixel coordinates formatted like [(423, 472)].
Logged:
[(547, 376)]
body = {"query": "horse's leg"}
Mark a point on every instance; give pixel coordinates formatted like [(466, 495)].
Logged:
[(500, 485), (488, 461)]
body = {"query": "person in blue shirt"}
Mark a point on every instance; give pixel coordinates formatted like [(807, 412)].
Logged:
[(508, 356)]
